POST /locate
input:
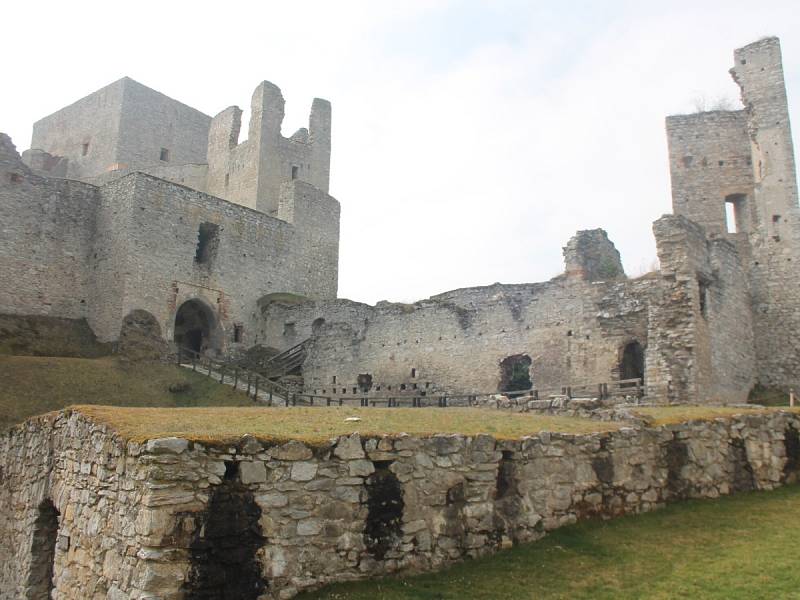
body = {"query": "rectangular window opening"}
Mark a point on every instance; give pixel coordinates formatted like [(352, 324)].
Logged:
[(703, 292), (207, 242), (238, 328), (736, 218), (730, 217), (164, 154), (85, 149), (295, 172)]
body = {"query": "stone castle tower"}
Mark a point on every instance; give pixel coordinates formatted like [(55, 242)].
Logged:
[(742, 162)]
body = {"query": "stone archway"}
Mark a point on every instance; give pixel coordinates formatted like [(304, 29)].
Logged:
[(196, 327)]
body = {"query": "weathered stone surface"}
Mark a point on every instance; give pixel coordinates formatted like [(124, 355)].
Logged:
[(349, 447), (171, 445), (311, 515), (252, 472)]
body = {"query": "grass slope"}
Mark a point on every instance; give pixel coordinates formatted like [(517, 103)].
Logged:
[(35, 385), (316, 425), (734, 548)]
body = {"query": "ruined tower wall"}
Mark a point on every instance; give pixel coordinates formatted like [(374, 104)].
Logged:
[(709, 159), (700, 342), (252, 172), (775, 235), (46, 244)]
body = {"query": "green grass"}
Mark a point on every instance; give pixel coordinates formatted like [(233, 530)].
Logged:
[(35, 385), (736, 548), (317, 425)]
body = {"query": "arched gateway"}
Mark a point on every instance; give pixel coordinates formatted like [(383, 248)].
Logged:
[(197, 327)]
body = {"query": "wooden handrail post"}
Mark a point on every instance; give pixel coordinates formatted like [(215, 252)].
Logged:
[(791, 397), (255, 393)]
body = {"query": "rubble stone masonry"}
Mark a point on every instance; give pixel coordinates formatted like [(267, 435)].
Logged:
[(116, 519)]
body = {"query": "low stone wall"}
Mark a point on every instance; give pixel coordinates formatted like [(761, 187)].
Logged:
[(174, 519)]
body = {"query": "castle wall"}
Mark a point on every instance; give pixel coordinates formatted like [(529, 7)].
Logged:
[(572, 330), (151, 261), (304, 516), (48, 226)]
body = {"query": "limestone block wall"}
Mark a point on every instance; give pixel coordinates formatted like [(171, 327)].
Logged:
[(46, 239), (159, 519)]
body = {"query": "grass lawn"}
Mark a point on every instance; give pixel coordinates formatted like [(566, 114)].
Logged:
[(743, 547), (35, 385), (321, 424)]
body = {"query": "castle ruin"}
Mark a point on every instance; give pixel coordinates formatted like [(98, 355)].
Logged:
[(130, 201)]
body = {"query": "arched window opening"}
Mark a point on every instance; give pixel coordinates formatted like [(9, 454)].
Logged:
[(43, 551), (632, 362)]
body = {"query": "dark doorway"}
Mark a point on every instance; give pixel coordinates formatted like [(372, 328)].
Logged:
[(515, 373), (631, 364), (383, 530), (194, 326), (225, 563), (43, 552)]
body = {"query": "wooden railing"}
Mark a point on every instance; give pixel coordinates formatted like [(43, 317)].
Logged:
[(261, 388)]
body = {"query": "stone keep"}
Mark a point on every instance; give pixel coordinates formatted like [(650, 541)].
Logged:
[(744, 159), (108, 215)]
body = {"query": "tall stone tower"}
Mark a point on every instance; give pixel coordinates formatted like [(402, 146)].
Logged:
[(744, 160)]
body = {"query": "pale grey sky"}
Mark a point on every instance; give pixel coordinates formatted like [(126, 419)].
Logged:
[(471, 139)]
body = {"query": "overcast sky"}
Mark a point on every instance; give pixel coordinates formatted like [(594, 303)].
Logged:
[(471, 139)]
